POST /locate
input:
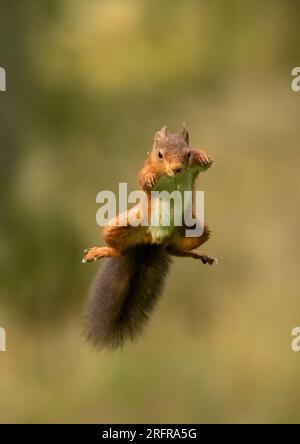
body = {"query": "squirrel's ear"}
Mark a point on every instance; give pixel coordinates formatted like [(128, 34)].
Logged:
[(185, 134), (161, 134)]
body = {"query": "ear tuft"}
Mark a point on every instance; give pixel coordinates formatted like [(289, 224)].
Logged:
[(185, 134), (161, 134)]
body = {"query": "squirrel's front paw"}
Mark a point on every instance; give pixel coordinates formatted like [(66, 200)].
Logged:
[(91, 254), (149, 181), (202, 158)]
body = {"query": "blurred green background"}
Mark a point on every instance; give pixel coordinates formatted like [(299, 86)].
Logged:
[(88, 84)]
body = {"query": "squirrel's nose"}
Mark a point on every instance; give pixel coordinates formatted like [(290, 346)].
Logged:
[(176, 170)]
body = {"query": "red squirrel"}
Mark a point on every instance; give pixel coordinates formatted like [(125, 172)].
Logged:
[(131, 280)]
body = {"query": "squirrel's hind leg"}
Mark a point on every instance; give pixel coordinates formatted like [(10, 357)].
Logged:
[(95, 253), (205, 259), (119, 239), (122, 238), (181, 246)]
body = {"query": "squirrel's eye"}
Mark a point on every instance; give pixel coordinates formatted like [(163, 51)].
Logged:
[(160, 155), (189, 155)]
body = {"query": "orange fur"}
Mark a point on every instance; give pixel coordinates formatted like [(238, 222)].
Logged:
[(176, 157), (131, 280)]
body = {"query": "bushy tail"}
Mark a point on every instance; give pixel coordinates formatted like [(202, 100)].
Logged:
[(123, 294)]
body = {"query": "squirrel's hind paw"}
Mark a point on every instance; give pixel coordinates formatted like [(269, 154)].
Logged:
[(95, 253), (91, 255), (208, 260)]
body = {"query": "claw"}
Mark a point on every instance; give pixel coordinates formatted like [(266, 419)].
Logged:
[(212, 261)]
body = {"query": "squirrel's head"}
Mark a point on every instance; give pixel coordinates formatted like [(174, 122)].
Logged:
[(170, 152)]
